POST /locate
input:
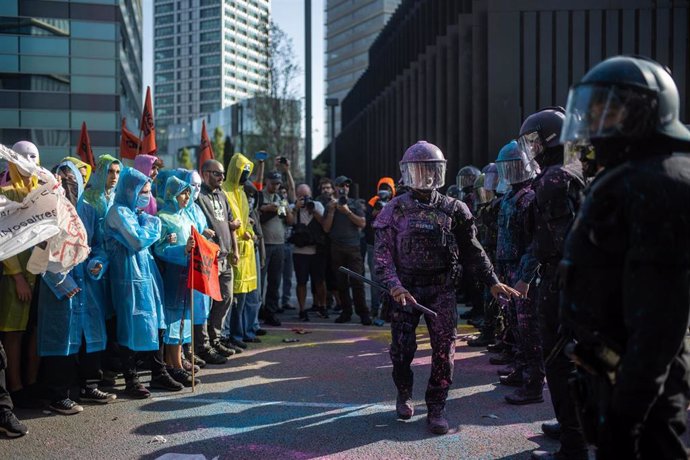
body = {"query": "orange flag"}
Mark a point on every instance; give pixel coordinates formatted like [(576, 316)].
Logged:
[(205, 149), (148, 128), (129, 143), (203, 269), (84, 148)]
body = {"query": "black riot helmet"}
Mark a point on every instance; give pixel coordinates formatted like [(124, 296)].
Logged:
[(541, 133), (624, 106)]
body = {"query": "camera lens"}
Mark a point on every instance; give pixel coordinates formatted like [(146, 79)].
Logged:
[(310, 205), (342, 200)]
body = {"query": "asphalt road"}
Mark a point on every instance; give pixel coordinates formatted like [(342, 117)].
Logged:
[(330, 395)]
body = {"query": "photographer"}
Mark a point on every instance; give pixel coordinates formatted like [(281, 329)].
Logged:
[(307, 256), (385, 191), (343, 222), (274, 214)]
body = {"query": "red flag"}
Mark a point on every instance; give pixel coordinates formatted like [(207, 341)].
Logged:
[(203, 271), (205, 148), (129, 143), (84, 148), (148, 128)]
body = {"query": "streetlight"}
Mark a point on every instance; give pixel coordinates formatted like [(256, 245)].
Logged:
[(332, 102), (307, 92)]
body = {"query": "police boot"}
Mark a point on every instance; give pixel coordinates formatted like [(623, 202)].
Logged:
[(530, 393), (436, 421), (503, 358), (481, 341), (552, 430), (403, 405), (514, 379), (497, 347)]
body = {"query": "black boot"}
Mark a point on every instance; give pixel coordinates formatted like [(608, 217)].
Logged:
[(436, 422), (552, 430), (529, 393), (514, 379), (482, 341)]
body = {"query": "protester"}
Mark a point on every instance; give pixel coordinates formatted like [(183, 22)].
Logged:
[(245, 271), (252, 304), (149, 166), (223, 223), (71, 324), (16, 293), (173, 250), (129, 233)]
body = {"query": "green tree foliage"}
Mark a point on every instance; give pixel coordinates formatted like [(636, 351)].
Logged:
[(185, 159)]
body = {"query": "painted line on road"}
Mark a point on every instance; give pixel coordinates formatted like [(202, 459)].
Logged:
[(256, 403)]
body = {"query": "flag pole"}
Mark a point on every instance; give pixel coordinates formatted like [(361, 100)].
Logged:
[(191, 295)]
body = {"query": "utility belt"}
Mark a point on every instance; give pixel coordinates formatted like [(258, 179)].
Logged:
[(423, 279), (592, 387)]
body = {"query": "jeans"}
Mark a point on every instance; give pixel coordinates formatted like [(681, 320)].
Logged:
[(234, 322)]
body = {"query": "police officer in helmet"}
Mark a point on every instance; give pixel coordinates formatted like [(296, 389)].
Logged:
[(421, 237), (626, 267)]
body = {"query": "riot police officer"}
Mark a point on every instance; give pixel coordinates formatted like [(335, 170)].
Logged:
[(626, 263), (421, 237), (556, 199)]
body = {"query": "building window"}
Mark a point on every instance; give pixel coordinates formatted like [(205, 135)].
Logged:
[(212, 83), (163, 20), (210, 24), (164, 42), (164, 77), (209, 60), (161, 31), (209, 36), (166, 8), (209, 71)]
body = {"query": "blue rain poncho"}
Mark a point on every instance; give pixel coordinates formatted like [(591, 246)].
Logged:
[(134, 277), (92, 207), (175, 220), (202, 303), (63, 321)]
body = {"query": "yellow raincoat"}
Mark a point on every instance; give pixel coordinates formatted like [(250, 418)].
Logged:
[(245, 274), (14, 314)]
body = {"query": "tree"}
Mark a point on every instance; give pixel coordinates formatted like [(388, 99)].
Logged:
[(228, 152), (185, 159), (218, 143), (276, 108)]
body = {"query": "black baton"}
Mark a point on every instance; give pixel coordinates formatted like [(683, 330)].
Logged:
[(381, 287)]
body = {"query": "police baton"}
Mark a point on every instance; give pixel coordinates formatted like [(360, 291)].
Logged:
[(381, 287)]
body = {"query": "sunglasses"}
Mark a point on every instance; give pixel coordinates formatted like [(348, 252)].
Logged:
[(217, 173)]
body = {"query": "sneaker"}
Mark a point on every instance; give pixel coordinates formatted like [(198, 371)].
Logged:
[(304, 316), (188, 356), (94, 395), (404, 406), (366, 320), (342, 319), (227, 343), (163, 381), (271, 320), (134, 389), (223, 350), (251, 340), (287, 306), (11, 426), (186, 365), (211, 356), (66, 407), (260, 332), (198, 361), (183, 377), (379, 322)]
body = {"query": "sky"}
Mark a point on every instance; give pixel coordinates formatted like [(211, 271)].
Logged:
[(289, 15)]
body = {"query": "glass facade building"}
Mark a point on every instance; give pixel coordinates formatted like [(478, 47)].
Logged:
[(208, 54), (66, 62), (351, 28)]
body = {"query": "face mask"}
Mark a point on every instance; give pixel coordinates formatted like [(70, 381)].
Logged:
[(245, 175), (384, 195), (251, 203), (143, 200)]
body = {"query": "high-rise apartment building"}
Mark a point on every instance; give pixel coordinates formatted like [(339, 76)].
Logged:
[(208, 54), (66, 62), (351, 27)]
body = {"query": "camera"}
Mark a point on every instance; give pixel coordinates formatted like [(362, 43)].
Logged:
[(282, 160), (342, 200), (308, 203), (379, 205), (282, 209)]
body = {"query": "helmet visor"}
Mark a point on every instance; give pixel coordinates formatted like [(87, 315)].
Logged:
[(531, 144), (483, 195), (515, 171), (490, 180), (465, 180), (577, 151), (427, 175), (598, 112)]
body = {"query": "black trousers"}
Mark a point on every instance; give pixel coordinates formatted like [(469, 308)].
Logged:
[(130, 357), (59, 373), (349, 257), (561, 369)]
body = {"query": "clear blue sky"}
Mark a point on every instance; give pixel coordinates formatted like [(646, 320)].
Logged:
[(289, 14)]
